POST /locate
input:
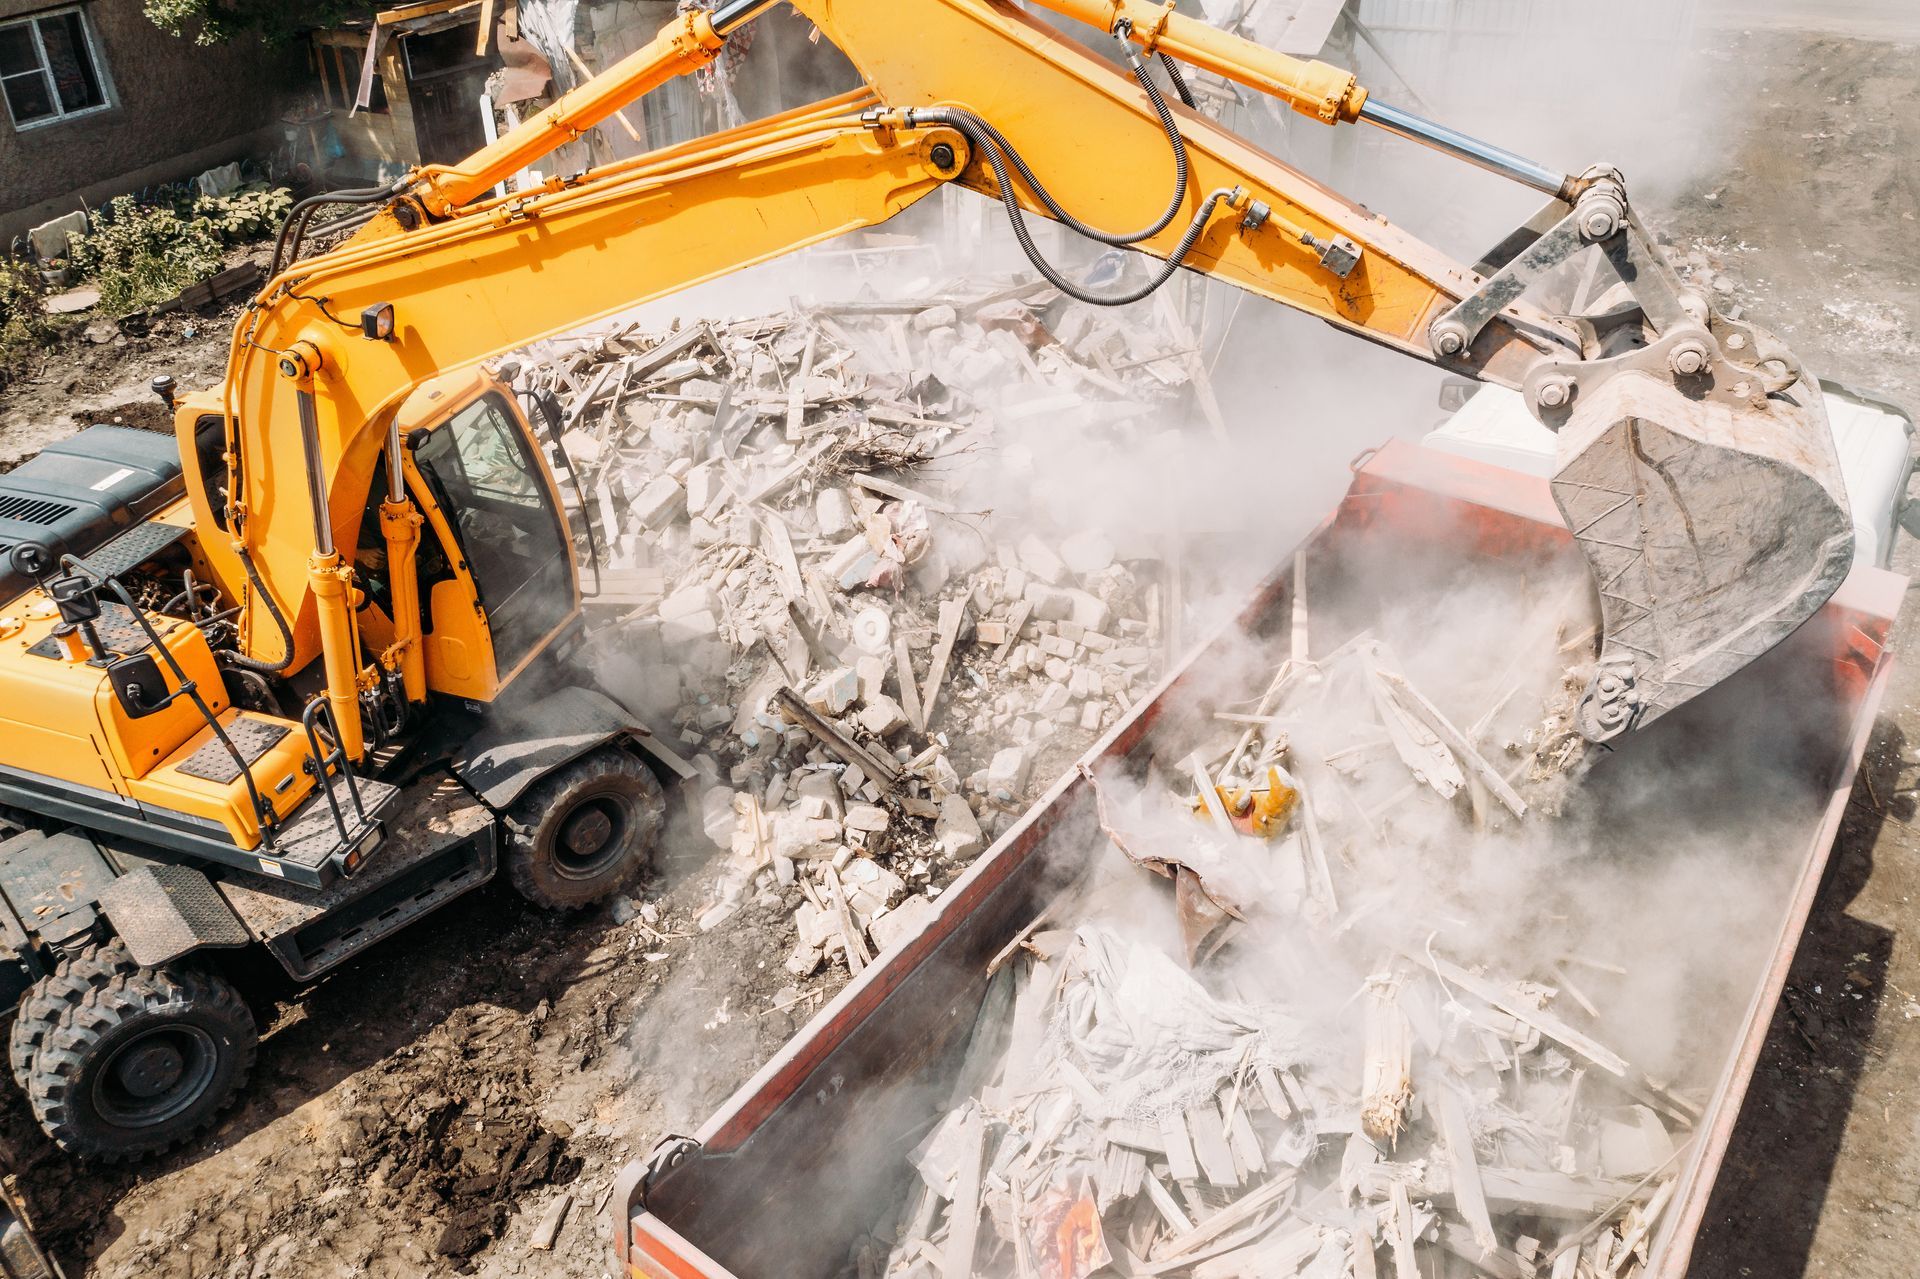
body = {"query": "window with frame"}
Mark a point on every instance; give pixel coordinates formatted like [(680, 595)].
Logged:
[(49, 69)]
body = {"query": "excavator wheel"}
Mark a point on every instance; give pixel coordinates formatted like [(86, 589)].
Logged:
[(48, 1000), (144, 1061), (584, 831)]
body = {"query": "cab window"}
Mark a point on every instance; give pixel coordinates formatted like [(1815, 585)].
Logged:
[(490, 489)]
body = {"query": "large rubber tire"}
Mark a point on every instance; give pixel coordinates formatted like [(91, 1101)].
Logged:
[(145, 1061), (48, 1000), (585, 831)]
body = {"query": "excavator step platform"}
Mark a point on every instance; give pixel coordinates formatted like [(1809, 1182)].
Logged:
[(440, 843)]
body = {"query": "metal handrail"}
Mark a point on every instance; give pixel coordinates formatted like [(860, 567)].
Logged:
[(263, 811), (322, 760)]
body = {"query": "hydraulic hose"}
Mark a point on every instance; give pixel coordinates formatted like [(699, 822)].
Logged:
[(294, 229), (1002, 156), (1179, 80), (241, 660)]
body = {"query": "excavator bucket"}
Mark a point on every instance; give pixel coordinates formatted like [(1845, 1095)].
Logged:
[(1713, 527)]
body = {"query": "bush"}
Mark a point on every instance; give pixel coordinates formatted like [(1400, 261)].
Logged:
[(140, 256), (24, 326), (245, 215)]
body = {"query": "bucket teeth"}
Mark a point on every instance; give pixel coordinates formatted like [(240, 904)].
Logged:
[(1711, 532)]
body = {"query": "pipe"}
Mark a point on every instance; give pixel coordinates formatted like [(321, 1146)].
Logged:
[(1452, 142)]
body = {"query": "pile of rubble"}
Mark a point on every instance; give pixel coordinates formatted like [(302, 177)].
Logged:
[(1317, 1090), (871, 678)]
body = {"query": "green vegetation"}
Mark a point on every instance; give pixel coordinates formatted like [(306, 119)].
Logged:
[(24, 326), (141, 255), (276, 21)]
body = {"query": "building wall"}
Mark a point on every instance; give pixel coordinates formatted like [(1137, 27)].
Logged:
[(177, 108)]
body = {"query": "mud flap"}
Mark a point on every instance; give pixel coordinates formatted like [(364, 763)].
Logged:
[(1712, 531), (520, 744)]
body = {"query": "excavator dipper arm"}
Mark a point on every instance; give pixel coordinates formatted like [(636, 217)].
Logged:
[(1695, 468)]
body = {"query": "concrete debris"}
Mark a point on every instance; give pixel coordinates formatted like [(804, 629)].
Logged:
[(1124, 1105), (794, 572)]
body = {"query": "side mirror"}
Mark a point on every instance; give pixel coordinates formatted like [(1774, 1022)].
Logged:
[(139, 686)]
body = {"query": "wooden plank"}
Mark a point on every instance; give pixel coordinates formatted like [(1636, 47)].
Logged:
[(1399, 1229), (1210, 1144), (1496, 1262), (1017, 619), (485, 40), (900, 492), (952, 613), (425, 9), (797, 390), (1365, 1264), (795, 708), (1236, 1214), (858, 957), (1456, 741), (1245, 1143), (1164, 1203), (1469, 1196), (963, 1222), (1544, 1022), (1209, 796), (909, 688), (550, 1223), (1181, 1165)]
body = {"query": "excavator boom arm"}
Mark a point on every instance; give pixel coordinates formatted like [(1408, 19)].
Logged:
[(982, 93)]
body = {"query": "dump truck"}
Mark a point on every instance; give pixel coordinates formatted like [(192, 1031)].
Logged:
[(849, 1106), (277, 688)]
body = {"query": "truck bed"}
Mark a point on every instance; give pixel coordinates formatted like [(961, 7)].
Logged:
[(801, 1159)]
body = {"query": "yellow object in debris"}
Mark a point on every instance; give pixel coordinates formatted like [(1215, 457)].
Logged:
[(1261, 813)]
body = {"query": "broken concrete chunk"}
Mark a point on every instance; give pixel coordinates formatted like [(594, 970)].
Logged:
[(717, 816), (659, 502), (819, 790), (690, 629), (705, 485), (1089, 612), (834, 512), (853, 564), (835, 691), (1040, 561), (798, 837), (1007, 773), (684, 603), (957, 830), (1050, 603), (901, 924), (882, 716), (1087, 552), (870, 818)]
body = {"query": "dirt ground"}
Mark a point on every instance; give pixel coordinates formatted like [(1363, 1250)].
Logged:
[(419, 1113)]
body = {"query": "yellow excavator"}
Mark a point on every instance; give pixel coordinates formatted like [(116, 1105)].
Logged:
[(304, 677)]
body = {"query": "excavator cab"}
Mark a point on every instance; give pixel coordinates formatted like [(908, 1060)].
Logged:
[(497, 577)]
